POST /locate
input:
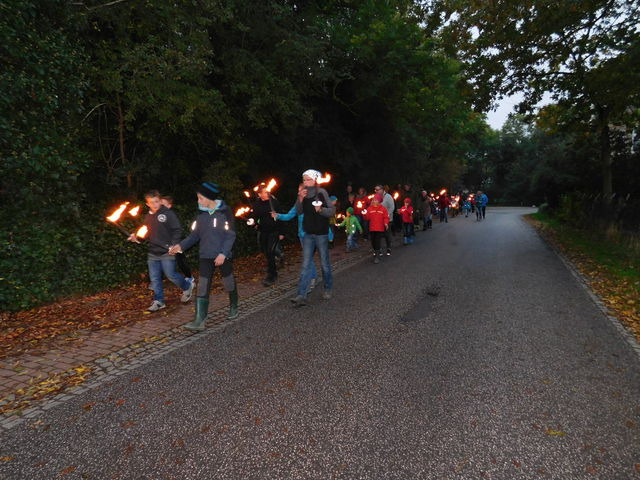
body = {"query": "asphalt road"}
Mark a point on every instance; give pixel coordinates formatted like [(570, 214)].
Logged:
[(473, 353)]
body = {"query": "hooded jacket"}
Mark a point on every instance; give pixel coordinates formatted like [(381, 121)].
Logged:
[(164, 229), (350, 223), (378, 218), (215, 231)]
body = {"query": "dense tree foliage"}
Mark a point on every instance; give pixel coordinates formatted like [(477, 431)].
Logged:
[(102, 100)]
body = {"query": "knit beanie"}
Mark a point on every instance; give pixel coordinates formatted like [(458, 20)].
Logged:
[(209, 190), (350, 210), (378, 197), (407, 200)]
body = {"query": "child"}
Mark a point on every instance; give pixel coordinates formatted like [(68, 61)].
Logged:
[(181, 258), (351, 227), (269, 231), (378, 219), (163, 229), (215, 230), (466, 206), (406, 212)]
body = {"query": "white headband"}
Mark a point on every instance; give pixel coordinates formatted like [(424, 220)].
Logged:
[(315, 174)]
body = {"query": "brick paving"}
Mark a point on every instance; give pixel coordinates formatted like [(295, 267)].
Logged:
[(102, 355)]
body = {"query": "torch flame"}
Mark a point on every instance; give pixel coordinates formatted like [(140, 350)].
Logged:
[(242, 211), (193, 225), (247, 194), (396, 195), (134, 211), (359, 204), (142, 231), (271, 185), (370, 197), (325, 179), (115, 216), (443, 191)]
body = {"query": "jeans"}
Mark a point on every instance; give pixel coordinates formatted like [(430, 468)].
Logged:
[(408, 229), (351, 241), (314, 272), (168, 267), (310, 243), (443, 215)]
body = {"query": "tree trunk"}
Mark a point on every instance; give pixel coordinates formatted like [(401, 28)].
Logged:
[(606, 161), (123, 156)]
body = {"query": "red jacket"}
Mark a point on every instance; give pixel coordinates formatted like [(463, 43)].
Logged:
[(378, 218), (406, 213), (444, 201)]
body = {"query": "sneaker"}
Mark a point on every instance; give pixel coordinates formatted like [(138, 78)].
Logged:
[(156, 305), (376, 259), (326, 294), (312, 284), (186, 294), (299, 301), (388, 252)]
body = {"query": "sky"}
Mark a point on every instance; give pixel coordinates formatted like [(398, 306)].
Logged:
[(497, 117)]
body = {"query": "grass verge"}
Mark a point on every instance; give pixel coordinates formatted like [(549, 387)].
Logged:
[(611, 268)]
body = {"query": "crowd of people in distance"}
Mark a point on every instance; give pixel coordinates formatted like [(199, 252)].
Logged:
[(374, 217)]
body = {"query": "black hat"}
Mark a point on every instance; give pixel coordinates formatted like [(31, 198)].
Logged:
[(209, 190)]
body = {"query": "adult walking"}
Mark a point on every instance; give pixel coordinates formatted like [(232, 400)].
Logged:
[(314, 203), (483, 200), (425, 208), (390, 205), (444, 202)]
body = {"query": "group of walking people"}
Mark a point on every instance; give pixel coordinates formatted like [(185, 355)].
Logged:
[(375, 217)]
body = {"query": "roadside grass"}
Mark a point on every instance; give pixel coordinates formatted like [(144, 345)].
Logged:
[(611, 266)]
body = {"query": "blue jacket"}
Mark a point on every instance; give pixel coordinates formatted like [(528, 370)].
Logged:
[(484, 200), (215, 231), (285, 217)]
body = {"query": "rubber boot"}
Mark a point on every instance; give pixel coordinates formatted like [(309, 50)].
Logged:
[(233, 304), (202, 308)]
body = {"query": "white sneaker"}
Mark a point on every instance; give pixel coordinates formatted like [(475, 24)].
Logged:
[(186, 294), (312, 284), (156, 305)]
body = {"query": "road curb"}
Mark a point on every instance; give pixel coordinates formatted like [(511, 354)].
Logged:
[(583, 281)]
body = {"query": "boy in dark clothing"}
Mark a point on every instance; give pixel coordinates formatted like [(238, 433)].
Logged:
[(181, 258), (270, 232), (216, 233), (163, 229)]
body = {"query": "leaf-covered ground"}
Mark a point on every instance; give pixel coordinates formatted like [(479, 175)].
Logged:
[(612, 268), (35, 330)]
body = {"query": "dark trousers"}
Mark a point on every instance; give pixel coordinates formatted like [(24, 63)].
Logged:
[(268, 242), (205, 276), (183, 265), (387, 237), (376, 240), (408, 229)]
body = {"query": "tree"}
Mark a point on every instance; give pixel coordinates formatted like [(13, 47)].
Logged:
[(581, 52)]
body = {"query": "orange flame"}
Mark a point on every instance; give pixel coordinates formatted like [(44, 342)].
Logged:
[(134, 211), (142, 231), (115, 216), (359, 204), (325, 179), (370, 197), (242, 211), (443, 191), (247, 194), (272, 184), (396, 195)]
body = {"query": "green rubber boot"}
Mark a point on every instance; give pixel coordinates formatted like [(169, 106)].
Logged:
[(202, 308), (233, 304)]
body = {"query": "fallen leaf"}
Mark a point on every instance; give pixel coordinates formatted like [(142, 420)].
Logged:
[(556, 433), (7, 459)]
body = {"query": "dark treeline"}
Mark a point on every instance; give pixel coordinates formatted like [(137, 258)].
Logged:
[(100, 101)]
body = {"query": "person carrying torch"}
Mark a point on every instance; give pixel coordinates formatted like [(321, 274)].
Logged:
[(270, 232), (216, 233), (313, 201), (163, 229)]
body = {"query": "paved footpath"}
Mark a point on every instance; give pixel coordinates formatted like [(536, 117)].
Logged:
[(474, 353)]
